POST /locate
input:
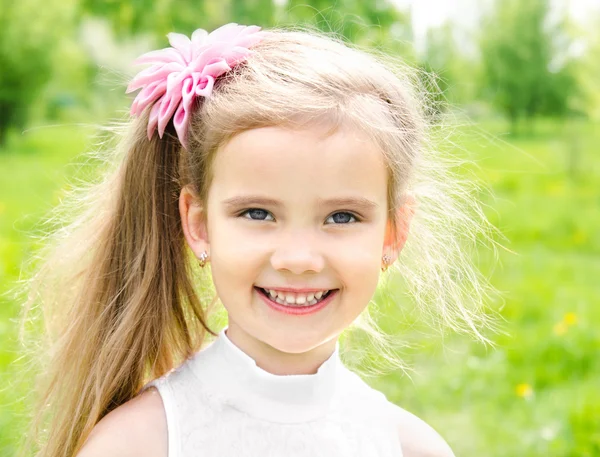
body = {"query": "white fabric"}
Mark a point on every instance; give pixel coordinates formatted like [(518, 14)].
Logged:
[(219, 403)]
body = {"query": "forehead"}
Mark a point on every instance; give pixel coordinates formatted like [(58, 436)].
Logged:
[(290, 163)]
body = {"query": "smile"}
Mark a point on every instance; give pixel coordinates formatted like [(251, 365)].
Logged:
[(292, 306), (292, 299)]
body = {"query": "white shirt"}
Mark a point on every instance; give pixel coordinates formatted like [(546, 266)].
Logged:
[(219, 403)]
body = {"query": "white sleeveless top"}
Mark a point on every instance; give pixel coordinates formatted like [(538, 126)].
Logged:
[(219, 403)]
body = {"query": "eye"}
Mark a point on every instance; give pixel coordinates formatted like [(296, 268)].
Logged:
[(254, 212), (341, 221)]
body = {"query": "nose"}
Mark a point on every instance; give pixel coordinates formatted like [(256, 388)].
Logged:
[(298, 253)]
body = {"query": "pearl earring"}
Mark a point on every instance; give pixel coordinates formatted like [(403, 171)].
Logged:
[(203, 259), (386, 260)]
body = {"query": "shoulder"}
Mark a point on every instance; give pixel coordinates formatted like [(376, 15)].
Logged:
[(136, 428), (418, 439)]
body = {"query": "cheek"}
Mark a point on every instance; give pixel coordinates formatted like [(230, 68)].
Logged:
[(232, 266), (238, 252), (358, 262)]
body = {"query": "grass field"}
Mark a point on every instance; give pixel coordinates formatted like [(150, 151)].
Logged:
[(536, 394)]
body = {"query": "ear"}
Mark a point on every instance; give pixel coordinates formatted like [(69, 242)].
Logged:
[(394, 242), (193, 221)]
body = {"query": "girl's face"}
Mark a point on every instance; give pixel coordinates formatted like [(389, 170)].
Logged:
[(294, 209)]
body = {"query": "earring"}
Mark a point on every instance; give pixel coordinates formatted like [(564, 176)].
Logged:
[(386, 260), (203, 259)]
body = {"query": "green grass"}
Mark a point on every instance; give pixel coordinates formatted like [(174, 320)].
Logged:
[(535, 394), (34, 168)]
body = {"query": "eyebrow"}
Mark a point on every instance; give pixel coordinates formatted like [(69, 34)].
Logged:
[(358, 202)]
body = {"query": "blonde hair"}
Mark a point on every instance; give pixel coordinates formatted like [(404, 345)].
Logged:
[(117, 286)]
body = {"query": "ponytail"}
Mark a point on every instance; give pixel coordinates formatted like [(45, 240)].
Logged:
[(117, 293)]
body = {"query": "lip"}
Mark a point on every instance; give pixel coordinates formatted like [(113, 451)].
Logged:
[(296, 291), (300, 311)]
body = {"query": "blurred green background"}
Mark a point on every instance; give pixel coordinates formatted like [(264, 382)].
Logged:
[(521, 82)]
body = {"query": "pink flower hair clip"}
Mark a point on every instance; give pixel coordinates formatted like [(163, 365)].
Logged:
[(186, 70)]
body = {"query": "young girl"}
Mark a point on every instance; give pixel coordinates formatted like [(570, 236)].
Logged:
[(294, 166)]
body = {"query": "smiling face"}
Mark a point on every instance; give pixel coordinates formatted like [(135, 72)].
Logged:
[(294, 209)]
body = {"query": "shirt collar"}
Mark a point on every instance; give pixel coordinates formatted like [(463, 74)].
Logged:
[(227, 370)]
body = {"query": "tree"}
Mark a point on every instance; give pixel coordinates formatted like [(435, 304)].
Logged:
[(374, 23), (159, 17), (29, 32), (438, 64), (378, 23), (588, 78), (521, 52)]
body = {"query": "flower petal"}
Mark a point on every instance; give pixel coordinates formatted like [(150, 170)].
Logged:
[(208, 87), (182, 43), (153, 119), (249, 30), (224, 33), (180, 122), (154, 73), (216, 68), (168, 106), (198, 42), (249, 38), (236, 55), (166, 55), (211, 54), (188, 92), (148, 95), (174, 80)]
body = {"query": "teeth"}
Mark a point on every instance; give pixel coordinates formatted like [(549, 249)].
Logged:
[(290, 299)]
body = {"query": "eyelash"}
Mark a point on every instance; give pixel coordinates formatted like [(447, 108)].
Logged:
[(357, 219)]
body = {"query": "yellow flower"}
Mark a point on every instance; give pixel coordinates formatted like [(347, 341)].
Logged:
[(524, 390), (570, 319), (560, 328)]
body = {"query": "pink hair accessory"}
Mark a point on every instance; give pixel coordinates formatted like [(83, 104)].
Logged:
[(186, 70)]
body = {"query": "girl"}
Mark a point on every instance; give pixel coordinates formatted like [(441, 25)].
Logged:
[(296, 167)]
